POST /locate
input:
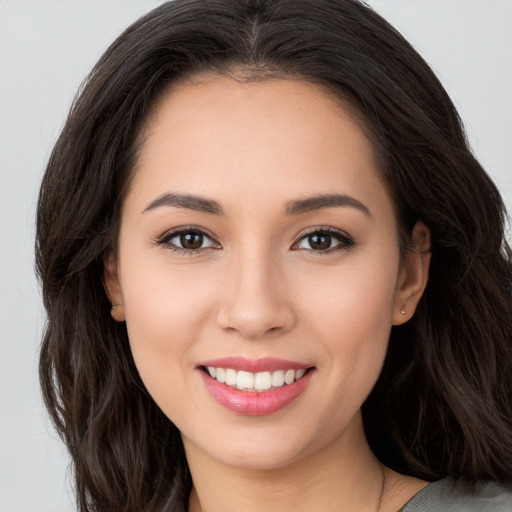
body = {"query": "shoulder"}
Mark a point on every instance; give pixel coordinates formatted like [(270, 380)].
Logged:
[(446, 496)]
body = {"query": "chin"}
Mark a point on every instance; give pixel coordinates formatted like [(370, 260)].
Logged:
[(257, 459), (262, 448)]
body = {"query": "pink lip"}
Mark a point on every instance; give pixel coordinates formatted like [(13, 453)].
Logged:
[(254, 403), (265, 364)]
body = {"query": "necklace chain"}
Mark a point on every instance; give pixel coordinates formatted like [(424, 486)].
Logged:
[(382, 485)]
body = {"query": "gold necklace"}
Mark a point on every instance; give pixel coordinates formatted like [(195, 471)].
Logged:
[(382, 485)]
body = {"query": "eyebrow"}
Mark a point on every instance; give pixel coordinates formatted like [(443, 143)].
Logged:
[(296, 207), (188, 201), (325, 201)]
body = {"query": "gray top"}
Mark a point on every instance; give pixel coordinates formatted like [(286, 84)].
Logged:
[(442, 496)]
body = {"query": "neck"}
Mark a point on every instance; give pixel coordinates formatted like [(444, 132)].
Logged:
[(344, 473)]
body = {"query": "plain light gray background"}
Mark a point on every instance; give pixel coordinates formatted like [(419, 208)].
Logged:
[(46, 49)]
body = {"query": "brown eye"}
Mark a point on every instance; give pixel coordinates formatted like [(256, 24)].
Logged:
[(320, 241), (191, 241), (324, 240), (188, 241)]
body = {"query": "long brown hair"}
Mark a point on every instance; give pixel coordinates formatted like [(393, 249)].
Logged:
[(443, 404)]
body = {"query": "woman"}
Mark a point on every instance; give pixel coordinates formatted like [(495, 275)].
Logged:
[(275, 275)]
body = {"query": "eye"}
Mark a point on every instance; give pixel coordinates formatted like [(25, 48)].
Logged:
[(188, 240), (324, 240)]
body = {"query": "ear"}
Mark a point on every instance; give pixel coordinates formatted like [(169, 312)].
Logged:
[(113, 287), (413, 275)]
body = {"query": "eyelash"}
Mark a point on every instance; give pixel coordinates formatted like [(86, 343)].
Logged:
[(165, 240), (346, 242)]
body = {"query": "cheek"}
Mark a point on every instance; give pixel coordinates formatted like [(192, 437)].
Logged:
[(357, 296), (349, 326), (350, 315), (166, 311)]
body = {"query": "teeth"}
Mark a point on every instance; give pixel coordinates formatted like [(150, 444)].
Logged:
[(245, 380), (289, 376), (231, 377), (261, 381), (278, 378), (220, 374)]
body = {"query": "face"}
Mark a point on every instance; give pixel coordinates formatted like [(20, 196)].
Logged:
[(258, 245)]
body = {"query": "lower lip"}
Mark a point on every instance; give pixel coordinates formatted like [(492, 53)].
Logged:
[(254, 403)]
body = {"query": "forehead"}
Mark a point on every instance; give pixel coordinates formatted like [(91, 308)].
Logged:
[(218, 137)]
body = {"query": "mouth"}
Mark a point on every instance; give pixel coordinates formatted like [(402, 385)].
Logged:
[(255, 382), (255, 387)]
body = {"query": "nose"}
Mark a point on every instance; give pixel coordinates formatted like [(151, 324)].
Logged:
[(255, 302)]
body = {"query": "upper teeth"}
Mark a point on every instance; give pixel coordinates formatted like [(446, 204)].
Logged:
[(261, 381)]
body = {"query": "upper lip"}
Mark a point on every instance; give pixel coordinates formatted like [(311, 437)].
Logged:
[(264, 364)]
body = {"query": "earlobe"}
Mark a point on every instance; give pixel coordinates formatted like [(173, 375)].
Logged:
[(413, 275), (112, 287)]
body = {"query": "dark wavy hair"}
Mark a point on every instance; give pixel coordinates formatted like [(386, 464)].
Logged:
[(443, 403)]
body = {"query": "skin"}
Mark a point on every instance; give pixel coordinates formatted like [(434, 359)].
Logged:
[(262, 290)]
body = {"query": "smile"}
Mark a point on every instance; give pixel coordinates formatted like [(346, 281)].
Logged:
[(255, 382), (255, 387)]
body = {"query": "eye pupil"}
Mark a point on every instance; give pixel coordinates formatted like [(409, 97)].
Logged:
[(319, 241), (191, 240)]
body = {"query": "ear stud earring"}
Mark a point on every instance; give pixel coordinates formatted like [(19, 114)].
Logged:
[(402, 310)]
